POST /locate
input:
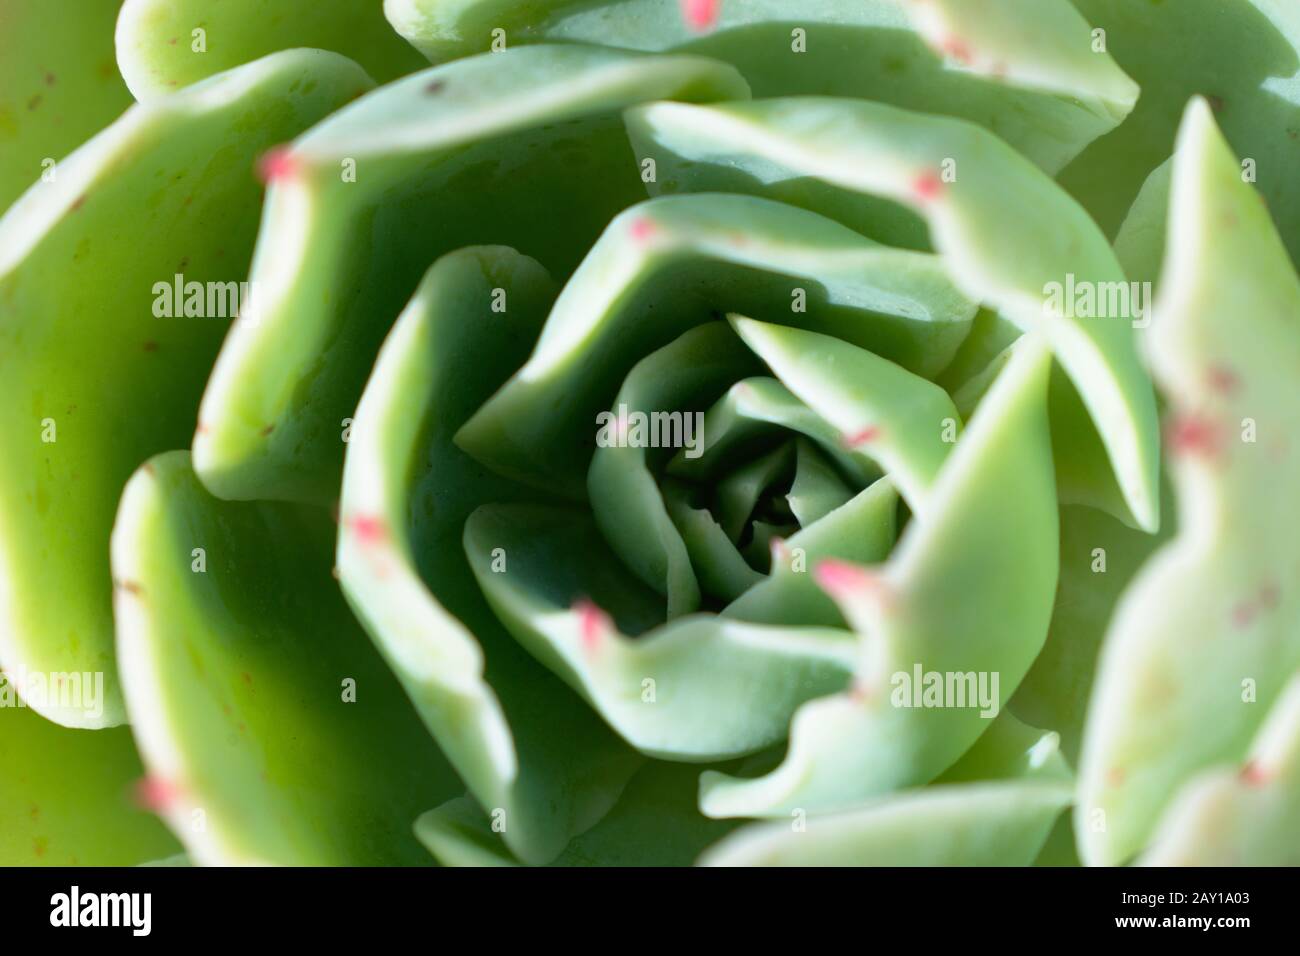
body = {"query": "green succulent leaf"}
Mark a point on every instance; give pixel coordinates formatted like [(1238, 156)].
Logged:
[(715, 253), (524, 744), (496, 148), (723, 572), (58, 85), (1005, 231), (817, 489), (994, 808), (939, 604), (65, 795), (1204, 640), (974, 824), (1024, 68), (1098, 558), (95, 379), (258, 752), (163, 45), (655, 823), (699, 688), (862, 529), (1242, 56), (632, 514), (1247, 815), (897, 418), (751, 413)]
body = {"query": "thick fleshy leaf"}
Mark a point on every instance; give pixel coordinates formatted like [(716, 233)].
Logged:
[(861, 530), (817, 489), (1204, 640), (94, 373), (166, 44), (271, 730), (1098, 559), (1242, 56), (1241, 816), (939, 605), (699, 688), (625, 499), (749, 416), (673, 263), (905, 423), (721, 569), (499, 148), (973, 824), (655, 823), (1024, 68), (528, 749), (1007, 234), (58, 85), (65, 795), (995, 807), (738, 493), (1011, 749)]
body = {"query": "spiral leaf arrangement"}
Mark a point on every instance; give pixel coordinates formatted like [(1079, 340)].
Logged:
[(427, 586)]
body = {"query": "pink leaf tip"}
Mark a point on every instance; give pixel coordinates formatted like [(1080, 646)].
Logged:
[(927, 186), (863, 436), (593, 623), (1193, 434), (277, 163), (1253, 775), (367, 528), (642, 229), (701, 15), (840, 579), (155, 794)]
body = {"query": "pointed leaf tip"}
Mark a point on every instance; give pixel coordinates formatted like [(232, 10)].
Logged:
[(277, 164), (842, 580), (701, 15), (154, 794), (593, 623)]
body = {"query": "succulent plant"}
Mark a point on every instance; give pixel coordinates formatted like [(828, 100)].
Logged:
[(657, 432)]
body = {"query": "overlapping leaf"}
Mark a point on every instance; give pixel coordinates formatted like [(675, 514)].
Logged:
[(939, 604), (995, 807), (1204, 640), (163, 45), (66, 796), (495, 148), (1024, 68), (97, 372), (523, 743), (58, 85), (1005, 232), (271, 731)]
